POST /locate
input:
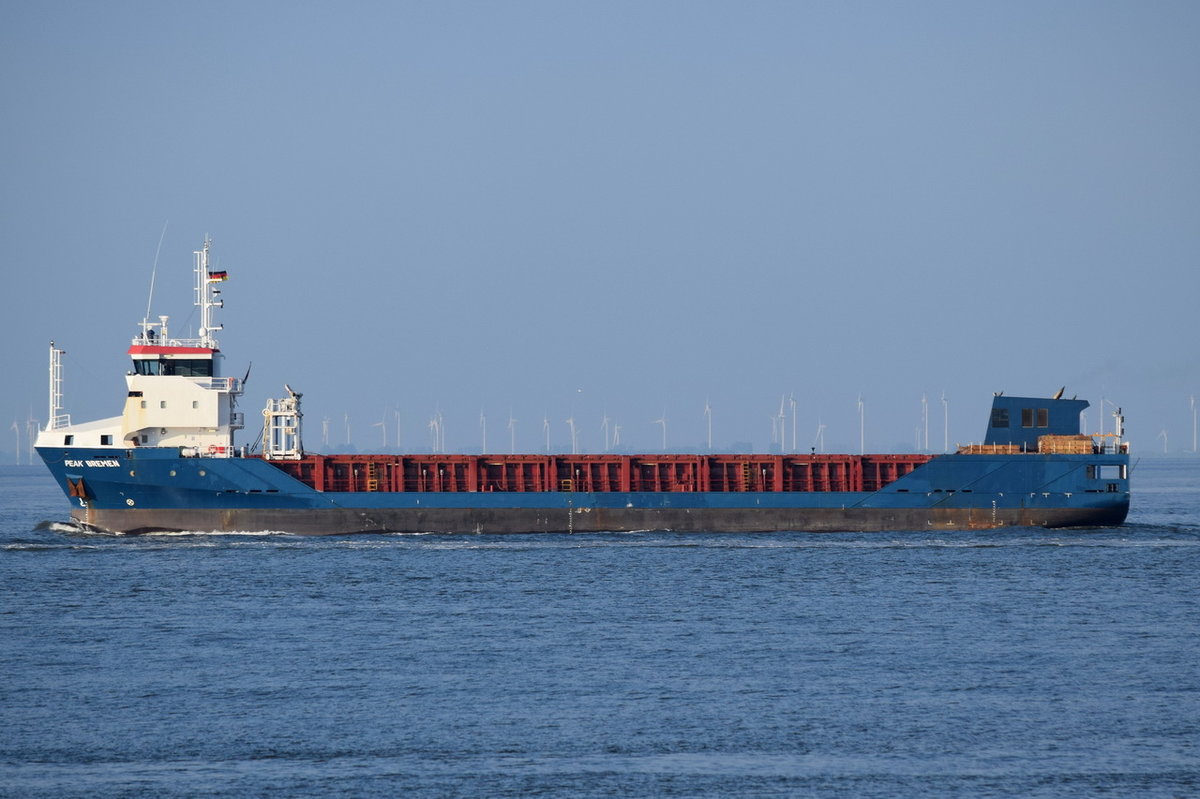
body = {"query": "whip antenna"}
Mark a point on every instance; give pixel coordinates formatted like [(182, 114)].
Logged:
[(154, 270)]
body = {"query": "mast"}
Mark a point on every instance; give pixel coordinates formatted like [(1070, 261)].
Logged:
[(208, 295), (56, 418)]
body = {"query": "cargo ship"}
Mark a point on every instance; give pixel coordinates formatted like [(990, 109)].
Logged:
[(170, 463)]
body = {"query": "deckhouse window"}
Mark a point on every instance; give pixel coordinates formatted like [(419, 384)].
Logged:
[(198, 367), (999, 417), (183, 367)]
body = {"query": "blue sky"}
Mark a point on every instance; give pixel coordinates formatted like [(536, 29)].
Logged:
[(566, 210)]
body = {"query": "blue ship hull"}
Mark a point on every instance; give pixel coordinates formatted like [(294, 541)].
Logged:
[(148, 490)]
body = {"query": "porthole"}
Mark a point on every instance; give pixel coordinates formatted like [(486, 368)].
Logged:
[(132, 473), (172, 472), (202, 472)]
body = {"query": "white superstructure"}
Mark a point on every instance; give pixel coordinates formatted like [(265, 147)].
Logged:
[(176, 394)]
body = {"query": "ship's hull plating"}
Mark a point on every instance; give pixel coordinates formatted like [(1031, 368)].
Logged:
[(342, 521), (156, 490)]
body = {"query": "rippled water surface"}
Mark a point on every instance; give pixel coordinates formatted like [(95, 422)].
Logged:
[(1021, 663)]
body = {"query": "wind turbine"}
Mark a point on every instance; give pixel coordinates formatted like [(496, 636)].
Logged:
[(925, 420), (546, 430), (782, 427), (483, 431), (708, 418), (325, 433), (792, 400), (663, 421), (434, 426), (862, 427), (1193, 424), (382, 425), (616, 434), (31, 429), (17, 451), (1163, 435), (945, 424), (396, 413), (574, 438), (819, 438), (512, 433), (347, 429), (604, 428)]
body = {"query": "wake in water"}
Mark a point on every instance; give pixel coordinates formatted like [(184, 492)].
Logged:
[(73, 528), (67, 528)]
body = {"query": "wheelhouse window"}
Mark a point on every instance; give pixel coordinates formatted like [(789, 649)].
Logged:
[(999, 417), (198, 367), (1035, 416), (182, 367)]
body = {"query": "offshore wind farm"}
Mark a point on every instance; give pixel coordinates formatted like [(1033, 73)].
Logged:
[(784, 436)]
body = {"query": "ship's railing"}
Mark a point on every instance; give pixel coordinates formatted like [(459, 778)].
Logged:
[(1051, 445), (230, 384), (156, 341), (60, 420)]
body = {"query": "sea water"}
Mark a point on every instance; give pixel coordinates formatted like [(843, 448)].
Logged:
[(1025, 662)]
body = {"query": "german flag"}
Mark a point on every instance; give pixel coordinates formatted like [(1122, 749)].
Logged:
[(215, 276)]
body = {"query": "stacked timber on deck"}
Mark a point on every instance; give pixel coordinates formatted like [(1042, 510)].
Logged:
[(1046, 445)]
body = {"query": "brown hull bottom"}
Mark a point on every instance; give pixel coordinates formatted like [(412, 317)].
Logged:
[(591, 520)]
